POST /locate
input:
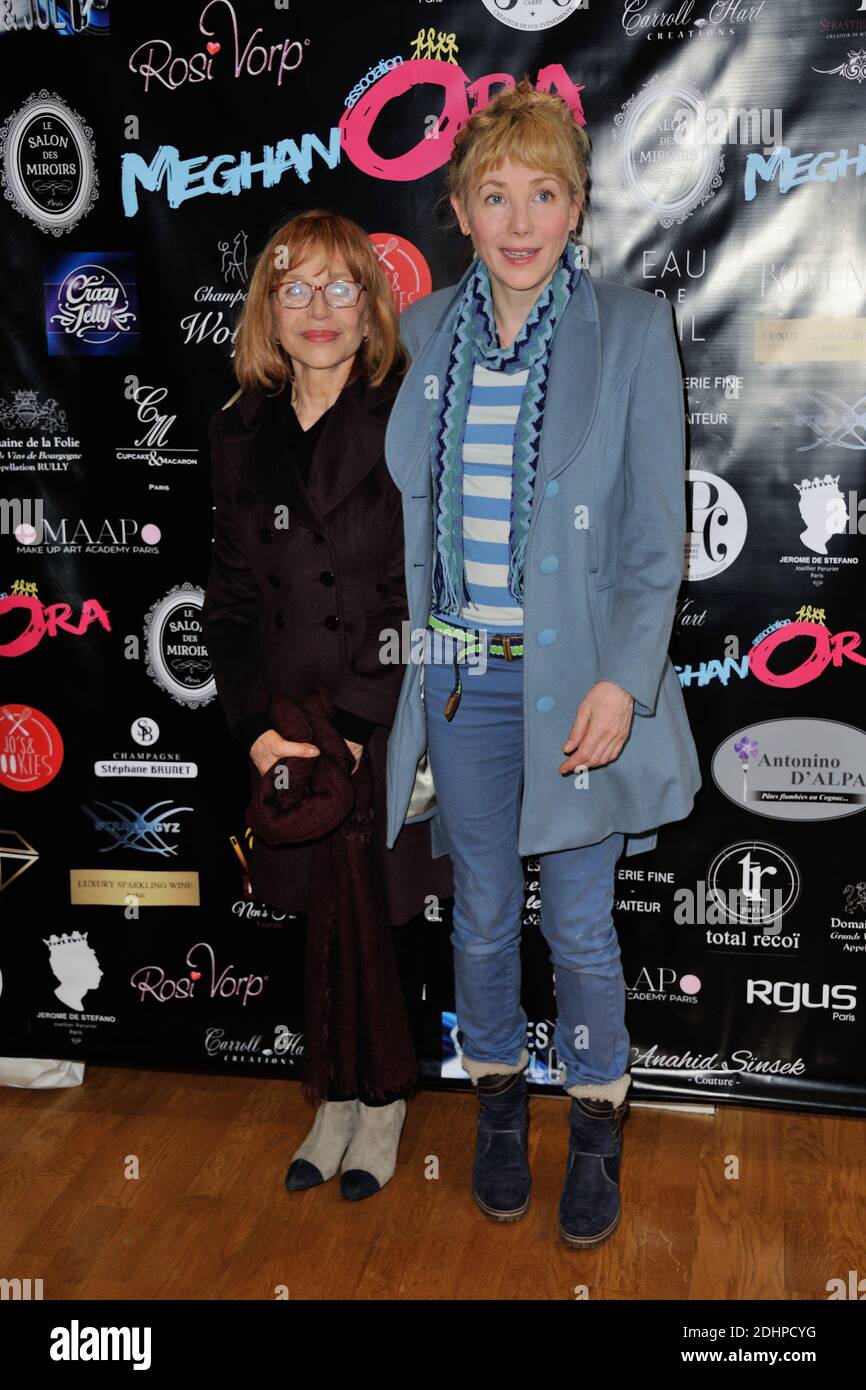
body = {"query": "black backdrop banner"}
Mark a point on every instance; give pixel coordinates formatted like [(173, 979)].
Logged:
[(148, 151)]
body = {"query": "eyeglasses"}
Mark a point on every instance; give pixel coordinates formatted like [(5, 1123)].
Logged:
[(339, 294)]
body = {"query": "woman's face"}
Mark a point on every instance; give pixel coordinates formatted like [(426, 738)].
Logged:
[(319, 336), (519, 220)]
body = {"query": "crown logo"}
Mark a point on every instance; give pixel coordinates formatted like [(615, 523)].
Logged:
[(66, 939), (817, 484)]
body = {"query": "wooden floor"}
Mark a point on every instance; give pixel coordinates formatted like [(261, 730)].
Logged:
[(208, 1216)]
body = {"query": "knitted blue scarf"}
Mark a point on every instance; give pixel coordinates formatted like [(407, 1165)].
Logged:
[(477, 340)]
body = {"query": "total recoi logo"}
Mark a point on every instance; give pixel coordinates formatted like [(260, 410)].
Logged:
[(753, 883), (77, 1343)]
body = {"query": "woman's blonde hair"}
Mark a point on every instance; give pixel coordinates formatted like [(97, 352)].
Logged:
[(259, 357), (536, 129)]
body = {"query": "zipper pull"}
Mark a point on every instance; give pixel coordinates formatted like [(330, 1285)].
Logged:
[(454, 698)]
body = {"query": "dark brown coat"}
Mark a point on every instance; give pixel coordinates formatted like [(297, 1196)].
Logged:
[(292, 608)]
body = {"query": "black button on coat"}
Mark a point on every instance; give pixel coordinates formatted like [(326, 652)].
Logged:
[(335, 548)]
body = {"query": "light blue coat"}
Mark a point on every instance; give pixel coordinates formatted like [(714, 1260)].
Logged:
[(599, 598)]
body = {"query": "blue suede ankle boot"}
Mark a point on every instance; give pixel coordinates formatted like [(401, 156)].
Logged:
[(500, 1174), (589, 1209)]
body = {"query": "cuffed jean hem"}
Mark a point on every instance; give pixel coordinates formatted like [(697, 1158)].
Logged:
[(614, 1091), (479, 1069)]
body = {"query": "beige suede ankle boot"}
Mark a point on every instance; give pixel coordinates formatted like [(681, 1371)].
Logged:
[(371, 1157), (319, 1156)]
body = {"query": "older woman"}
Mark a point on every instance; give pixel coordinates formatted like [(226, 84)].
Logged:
[(307, 575), (539, 440)]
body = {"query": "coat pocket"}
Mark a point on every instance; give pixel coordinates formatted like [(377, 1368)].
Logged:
[(600, 601), (594, 562), (593, 549)]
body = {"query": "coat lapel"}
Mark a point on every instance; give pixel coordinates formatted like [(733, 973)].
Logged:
[(351, 442), (573, 382), (573, 387), (348, 449)]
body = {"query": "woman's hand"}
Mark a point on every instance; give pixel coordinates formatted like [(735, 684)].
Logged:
[(269, 748), (357, 751), (600, 728)]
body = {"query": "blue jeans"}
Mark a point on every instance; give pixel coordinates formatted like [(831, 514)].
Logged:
[(477, 766)]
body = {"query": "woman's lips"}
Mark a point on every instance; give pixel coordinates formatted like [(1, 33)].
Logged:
[(519, 255), (320, 335)]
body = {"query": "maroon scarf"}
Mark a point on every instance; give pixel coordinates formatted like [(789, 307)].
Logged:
[(357, 1035)]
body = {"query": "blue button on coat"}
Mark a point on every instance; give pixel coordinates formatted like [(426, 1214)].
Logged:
[(609, 505)]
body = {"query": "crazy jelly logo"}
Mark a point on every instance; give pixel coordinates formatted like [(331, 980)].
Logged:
[(91, 304), (71, 17), (156, 61)]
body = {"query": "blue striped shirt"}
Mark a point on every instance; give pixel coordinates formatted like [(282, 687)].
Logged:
[(488, 455)]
